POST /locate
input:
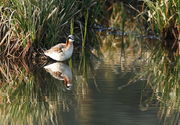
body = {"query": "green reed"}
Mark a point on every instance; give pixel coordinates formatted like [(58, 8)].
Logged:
[(71, 32), (28, 23), (164, 16), (161, 72), (35, 22), (85, 28)]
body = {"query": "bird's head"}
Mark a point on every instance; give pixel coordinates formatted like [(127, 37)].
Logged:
[(71, 38)]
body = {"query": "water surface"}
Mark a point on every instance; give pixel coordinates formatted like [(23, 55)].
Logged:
[(89, 89)]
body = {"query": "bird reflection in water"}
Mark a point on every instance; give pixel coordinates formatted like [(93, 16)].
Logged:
[(60, 71)]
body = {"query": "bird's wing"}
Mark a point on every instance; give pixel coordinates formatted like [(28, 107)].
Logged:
[(57, 48), (58, 75)]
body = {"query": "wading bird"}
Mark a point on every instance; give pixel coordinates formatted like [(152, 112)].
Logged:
[(61, 51)]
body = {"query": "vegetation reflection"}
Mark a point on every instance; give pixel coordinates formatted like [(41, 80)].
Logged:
[(157, 60), (31, 94), (31, 97), (161, 71)]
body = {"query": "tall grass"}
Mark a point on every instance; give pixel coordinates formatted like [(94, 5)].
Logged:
[(164, 17), (28, 24), (162, 74), (34, 22)]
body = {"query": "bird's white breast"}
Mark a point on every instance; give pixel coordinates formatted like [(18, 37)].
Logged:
[(61, 56)]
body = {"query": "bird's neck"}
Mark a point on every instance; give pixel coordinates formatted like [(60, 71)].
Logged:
[(66, 80), (68, 43)]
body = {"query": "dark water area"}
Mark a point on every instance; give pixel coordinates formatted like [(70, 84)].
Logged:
[(98, 94), (106, 105), (94, 87)]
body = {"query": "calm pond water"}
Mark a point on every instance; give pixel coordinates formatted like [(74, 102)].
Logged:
[(106, 104), (89, 90), (92, 88)]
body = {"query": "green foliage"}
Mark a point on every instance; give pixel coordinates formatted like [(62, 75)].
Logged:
[(162, 75), (164, 15), (38, 23)]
